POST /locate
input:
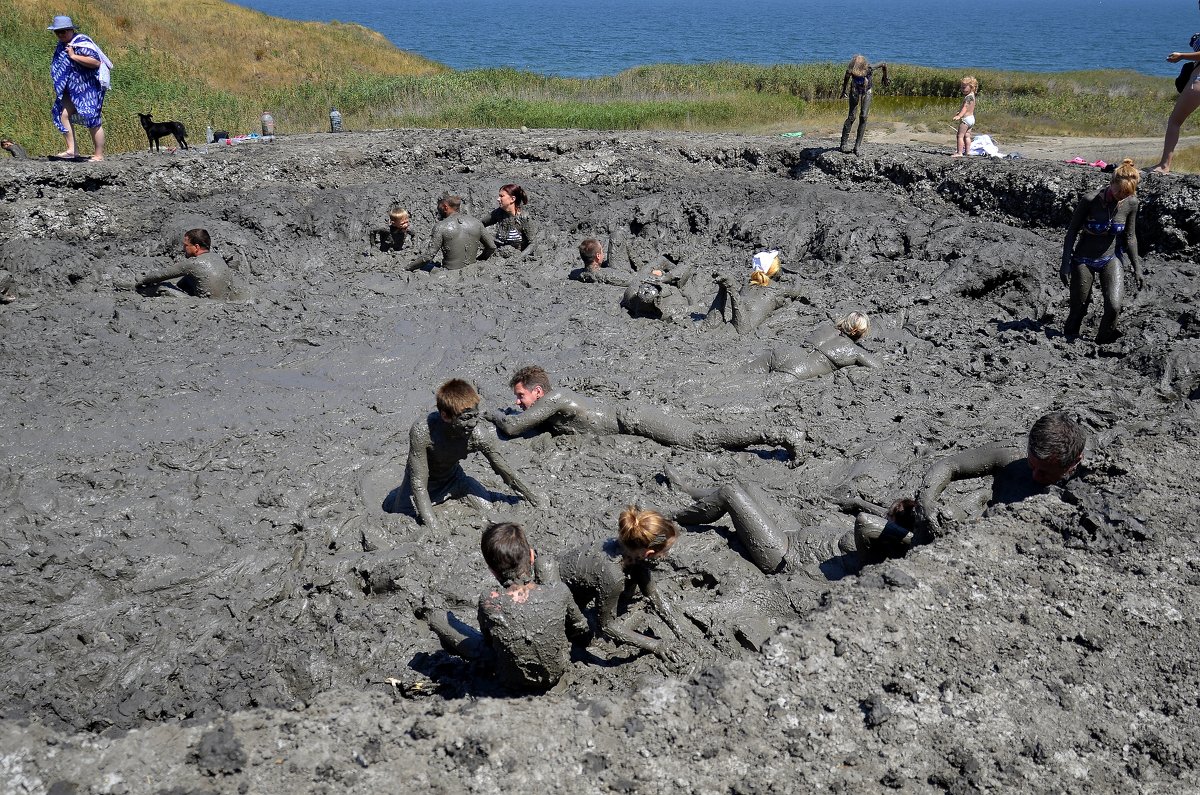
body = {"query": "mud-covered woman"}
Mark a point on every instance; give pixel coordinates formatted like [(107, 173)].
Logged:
[(515, 232), (859, 79), (755, 301), (1103, 230), (617, 568), (829, 347)]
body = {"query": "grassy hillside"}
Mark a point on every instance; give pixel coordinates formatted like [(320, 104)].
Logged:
[(198, 61), (211, 62)]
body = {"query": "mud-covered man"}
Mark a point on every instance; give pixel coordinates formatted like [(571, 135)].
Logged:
[(596, 269), (14, 149), (1051, 453), (202, 274), (527, 626), (458, 238), (562, 411), (438, 443)]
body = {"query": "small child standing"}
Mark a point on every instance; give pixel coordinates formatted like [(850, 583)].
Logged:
[(966, 116)]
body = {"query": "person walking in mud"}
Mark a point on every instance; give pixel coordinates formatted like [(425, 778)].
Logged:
[(1051, 453), (1103, 228), (561, 411), (458, 238), (202, 274), (607, 571), (438, 443), (829, 347), (859, 78), (755, 301), (515, 233), (527, 626)]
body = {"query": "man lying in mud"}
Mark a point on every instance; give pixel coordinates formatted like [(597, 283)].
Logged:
[(607, 571), (596, 268), (436, 446), (202, 274), (527, 626), (1052, 452), (561, 411), (458, 238)]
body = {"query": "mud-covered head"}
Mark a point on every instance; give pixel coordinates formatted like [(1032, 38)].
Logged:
[(1125, 180), (644, 534), (858, 66), (855, 325), (196, 242), (507, 552), (529, 384), (399, 219), (1056, 445), (448, 204), (591, 253), (457, 401)]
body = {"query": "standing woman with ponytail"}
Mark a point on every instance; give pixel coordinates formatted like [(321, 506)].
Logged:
[(1102, 229)]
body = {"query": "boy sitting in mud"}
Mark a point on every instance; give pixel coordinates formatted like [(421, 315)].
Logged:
[(397, 235), (1053, 451), (527, 626), (436, 446)]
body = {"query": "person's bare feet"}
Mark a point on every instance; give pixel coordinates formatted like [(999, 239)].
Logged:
[(65, 155), (957, 154), (1160, 169), (94, 159)]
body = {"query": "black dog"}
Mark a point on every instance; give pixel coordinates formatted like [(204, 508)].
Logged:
[(158, 129)]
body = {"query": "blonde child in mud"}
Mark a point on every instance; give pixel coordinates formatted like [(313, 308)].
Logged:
[(966, 116)]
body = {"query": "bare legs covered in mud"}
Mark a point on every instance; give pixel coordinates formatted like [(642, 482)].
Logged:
[(1112, 286)]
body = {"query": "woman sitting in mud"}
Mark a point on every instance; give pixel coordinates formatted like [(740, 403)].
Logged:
[(515, 232), (820, 553), (831, 346), (615, 568), (1102, 229), (756, 300)]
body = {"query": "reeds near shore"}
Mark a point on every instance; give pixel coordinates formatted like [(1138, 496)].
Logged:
[(209, 62)]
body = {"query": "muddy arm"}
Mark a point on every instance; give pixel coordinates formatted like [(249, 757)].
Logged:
[(430, 253), (170, 272), (418, 472), (616, 630), (489, 246), (1077, 221), (487, 444), (646, 583), (1131, 244), (531, 418), (973, 463), (845, 82), (868, 360)]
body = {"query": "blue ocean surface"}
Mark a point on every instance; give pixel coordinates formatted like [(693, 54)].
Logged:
[(587, 38)]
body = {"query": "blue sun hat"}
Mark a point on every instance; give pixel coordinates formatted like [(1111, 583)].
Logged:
[(61, 23)]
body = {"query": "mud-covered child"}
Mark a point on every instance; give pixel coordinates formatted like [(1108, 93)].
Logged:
[(438, 443), (527, 625), (965, 117)]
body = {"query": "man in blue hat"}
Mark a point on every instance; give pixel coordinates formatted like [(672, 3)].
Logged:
[(79, 69)]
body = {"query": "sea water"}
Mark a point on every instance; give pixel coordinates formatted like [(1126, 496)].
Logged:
[(587, 38)]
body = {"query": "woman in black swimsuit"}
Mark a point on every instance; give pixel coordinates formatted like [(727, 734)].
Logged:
[(1102, 229)]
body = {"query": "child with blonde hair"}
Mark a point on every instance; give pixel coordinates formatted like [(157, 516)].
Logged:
[(966, 116)]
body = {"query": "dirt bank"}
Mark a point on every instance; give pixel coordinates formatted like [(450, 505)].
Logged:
[(205, 596)]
